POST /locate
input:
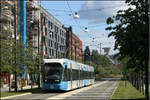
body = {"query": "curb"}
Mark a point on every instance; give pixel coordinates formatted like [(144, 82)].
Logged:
[(15, 95)]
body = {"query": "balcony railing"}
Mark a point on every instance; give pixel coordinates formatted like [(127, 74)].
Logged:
[(32, 6), (7, 2), (7, 13)]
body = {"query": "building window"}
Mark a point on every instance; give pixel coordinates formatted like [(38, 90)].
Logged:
[(44, 20), (58, 38), (50, 52), (45, 50), (49, 43), (45, 31), (60, 32), (55, 44), (49, 24), (55, 28), (52, 35)]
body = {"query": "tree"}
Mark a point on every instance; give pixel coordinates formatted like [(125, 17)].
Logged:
[(87, 54), (11, 54), (131, 34), (32, 61), (93, 55)]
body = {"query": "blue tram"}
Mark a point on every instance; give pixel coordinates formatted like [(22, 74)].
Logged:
[(64, 74)]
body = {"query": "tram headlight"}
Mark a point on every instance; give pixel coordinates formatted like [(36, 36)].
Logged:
[(56, 80)]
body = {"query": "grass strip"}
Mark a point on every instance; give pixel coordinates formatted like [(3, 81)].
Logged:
[(127, 92)]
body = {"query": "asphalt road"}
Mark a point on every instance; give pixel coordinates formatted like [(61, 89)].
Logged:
[(102, 90)]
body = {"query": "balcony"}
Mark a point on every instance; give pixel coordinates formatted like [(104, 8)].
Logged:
[(6, 16), (35, 20), (34, 33), (11, 3), (3, 19), (35, 44), (7, 13), (32, 6)]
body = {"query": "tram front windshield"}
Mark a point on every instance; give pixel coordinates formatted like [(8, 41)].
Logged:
[(52, 72)]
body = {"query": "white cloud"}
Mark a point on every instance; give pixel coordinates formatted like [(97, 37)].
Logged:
[(98, 11)]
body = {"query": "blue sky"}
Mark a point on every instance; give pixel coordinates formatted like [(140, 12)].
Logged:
[(93, 15)]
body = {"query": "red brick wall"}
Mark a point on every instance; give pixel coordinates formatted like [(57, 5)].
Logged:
[(76, 47)]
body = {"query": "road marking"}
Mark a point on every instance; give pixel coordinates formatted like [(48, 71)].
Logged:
[(114, 90), (69, 94), (81, 97), (16, 95)]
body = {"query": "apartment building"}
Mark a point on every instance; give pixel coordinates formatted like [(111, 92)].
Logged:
[(53, 36), (74, 45)]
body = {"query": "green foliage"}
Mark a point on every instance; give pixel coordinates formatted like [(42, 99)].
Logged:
[(130, 31), (132, 35), (32, 59), (107, 71), (11, 54), (103, 66), (87, 54)]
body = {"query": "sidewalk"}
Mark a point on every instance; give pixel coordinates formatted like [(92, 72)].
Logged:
[(6, 89)]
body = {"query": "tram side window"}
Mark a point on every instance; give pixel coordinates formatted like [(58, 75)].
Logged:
[(84, 74), (65, 74), (74, 74), (69, 74), (81, 76), (88, 75), (92, 75)]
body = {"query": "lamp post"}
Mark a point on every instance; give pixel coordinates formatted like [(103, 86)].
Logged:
[(39, 53), (70, 29), (16, 88), (100, 47)]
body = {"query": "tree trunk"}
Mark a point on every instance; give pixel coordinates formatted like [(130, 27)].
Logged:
[(9, 82), (142, 84), (138, 84), (125, 81), (21, 84), (146, 82), (31, 82)]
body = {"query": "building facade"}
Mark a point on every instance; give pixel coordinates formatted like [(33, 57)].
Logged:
[(74, 46), (53, 36)]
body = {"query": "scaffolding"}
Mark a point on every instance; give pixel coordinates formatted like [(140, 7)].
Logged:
[(33, 19), (6, 14)]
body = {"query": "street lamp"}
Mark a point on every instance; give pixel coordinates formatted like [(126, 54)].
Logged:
[(86, 29), (76, 16), (15, 36)]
